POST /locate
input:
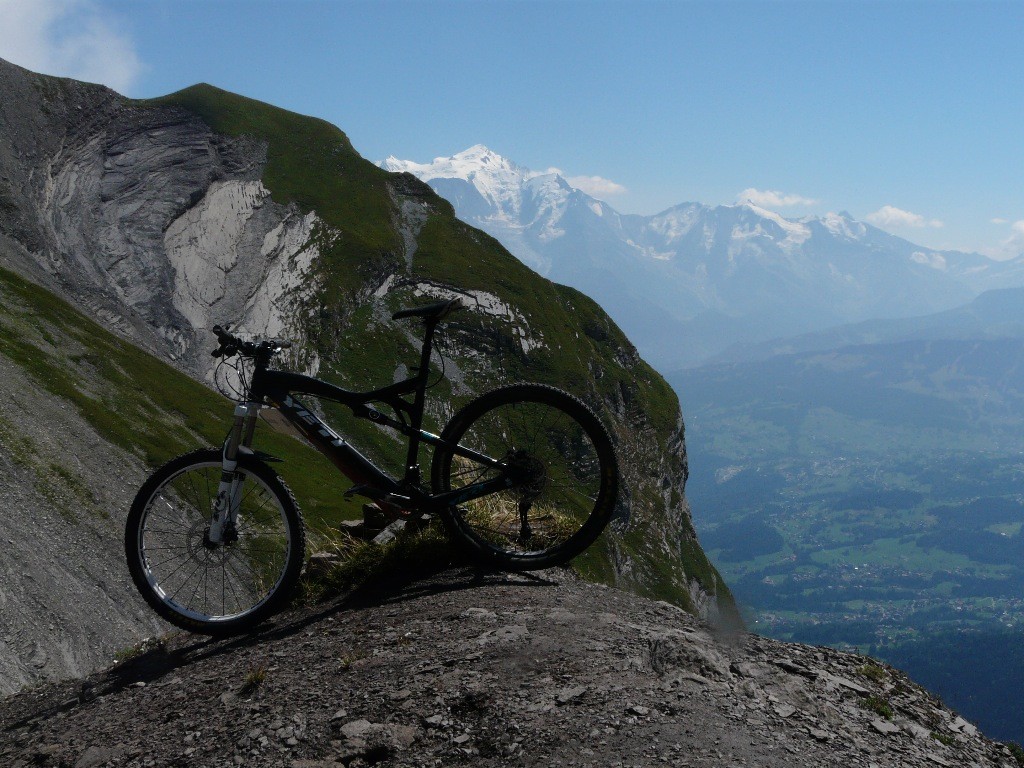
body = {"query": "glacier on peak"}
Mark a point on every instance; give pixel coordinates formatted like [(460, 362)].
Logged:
[(475, 161), (796, 233), (497, 195), (842, 224), (931, 259)]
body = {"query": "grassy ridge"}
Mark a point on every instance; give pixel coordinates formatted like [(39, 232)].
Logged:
[(309, 162)]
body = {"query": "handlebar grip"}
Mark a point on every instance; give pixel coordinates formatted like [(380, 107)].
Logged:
[(231, 345)]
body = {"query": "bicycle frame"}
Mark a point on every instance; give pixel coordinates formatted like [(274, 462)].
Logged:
[(277, 389)]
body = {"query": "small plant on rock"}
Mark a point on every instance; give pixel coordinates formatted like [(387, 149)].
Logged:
[(872, 672), (878, 705), (943, 738), (140, 648), (350, 658), (1016, 751), (253, 681), (356, 562)]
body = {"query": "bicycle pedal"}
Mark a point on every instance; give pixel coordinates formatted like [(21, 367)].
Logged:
[(356, 490), (418, 522)]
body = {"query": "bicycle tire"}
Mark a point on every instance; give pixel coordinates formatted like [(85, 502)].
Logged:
[(254, 573), (572, 486)]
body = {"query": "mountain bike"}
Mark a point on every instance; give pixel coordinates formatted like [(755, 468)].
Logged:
[(524, 477)]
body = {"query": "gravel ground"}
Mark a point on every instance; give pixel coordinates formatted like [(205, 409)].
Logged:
[(469, 668)]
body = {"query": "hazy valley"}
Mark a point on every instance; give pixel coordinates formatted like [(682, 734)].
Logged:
[(870, 497)]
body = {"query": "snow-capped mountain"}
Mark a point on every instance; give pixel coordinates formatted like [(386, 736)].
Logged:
[(518, 206), (690, 281)]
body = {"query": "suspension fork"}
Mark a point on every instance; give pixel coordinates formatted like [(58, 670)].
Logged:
[(229, 492)]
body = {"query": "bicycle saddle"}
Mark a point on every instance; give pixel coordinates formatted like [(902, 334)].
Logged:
[(430, 312)]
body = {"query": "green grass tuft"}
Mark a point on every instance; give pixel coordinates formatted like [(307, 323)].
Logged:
[(359, 562), (878, 705), (873, 672), (948, 740), (1016, 751), (254, 679)]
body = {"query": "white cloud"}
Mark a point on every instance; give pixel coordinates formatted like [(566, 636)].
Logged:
[(69, 38), (890, 216), (596, 186), (769, 198), (1013, 246), (592, 185)]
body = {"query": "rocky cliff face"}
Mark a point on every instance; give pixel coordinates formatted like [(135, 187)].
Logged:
[(146, 217), (161, 218)]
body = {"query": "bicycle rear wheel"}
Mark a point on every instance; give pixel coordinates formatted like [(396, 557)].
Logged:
[(568, 471), (209, 588)]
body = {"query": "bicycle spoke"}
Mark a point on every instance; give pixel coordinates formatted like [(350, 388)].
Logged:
[(210, 581), (543, 438)]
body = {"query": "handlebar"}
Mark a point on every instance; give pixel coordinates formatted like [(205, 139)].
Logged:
[(230, 345)]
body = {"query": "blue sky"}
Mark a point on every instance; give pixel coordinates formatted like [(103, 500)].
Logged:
[(906, 114)]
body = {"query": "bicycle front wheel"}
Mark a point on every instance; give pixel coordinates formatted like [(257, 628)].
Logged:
[(214, 588), (567, 477)]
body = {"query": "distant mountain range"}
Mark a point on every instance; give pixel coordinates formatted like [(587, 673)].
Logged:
[(688, 283), (996, 314)]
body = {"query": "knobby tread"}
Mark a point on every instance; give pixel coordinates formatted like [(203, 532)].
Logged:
[(293, 516)]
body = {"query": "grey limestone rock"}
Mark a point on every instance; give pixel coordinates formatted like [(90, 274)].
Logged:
[(558, 695)]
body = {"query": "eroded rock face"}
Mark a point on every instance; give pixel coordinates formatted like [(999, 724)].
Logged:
[(146, 217), (67, 604), (238, 257)]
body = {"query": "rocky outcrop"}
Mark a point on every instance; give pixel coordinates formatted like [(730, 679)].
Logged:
[(456, 669), (238, 257)]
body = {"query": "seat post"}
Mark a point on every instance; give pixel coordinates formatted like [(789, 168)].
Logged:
[(428, 346)]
